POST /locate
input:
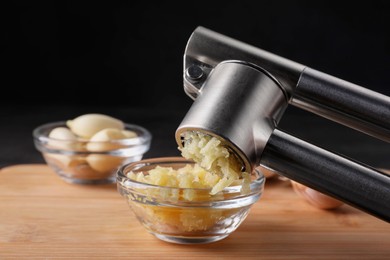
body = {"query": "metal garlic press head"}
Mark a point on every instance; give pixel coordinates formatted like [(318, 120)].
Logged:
[(240, 93)]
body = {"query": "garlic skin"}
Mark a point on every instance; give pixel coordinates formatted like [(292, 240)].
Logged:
[(89, 124), (316, 198)]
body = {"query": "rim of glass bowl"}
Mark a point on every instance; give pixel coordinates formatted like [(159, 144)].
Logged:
[(132, 146), (123, 182)]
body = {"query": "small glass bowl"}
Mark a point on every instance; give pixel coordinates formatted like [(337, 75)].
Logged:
[(166, 214), (74, 163)]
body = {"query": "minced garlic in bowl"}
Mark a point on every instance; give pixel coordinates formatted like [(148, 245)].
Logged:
[(172, 199)]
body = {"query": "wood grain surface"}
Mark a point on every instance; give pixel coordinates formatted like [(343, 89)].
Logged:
[(42, 217)]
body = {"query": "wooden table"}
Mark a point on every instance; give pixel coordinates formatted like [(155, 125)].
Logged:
[(43, 217)]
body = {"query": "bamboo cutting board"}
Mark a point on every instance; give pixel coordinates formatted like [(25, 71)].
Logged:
[(42, 217)]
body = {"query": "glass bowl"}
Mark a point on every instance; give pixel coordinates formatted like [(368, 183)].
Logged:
[(167, 214), (75, 162)]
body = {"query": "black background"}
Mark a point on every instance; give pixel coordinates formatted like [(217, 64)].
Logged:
[(131, 54), (125, 58)]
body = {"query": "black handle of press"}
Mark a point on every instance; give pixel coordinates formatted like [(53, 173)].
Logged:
[(354, 183), (343, 102)]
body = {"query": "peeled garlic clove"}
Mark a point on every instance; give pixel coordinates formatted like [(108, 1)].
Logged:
[(61, 136), (63, 161), (316, 198), (89, 124), (129, 134), (104, 163), (101, 140), (62, 133)]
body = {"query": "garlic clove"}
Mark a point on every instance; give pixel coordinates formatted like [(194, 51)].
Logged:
[(65, 161), (62, 138), (101, 140), (316, 198), (129, 134), (89, 124), (62, 133), (104, 163)]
